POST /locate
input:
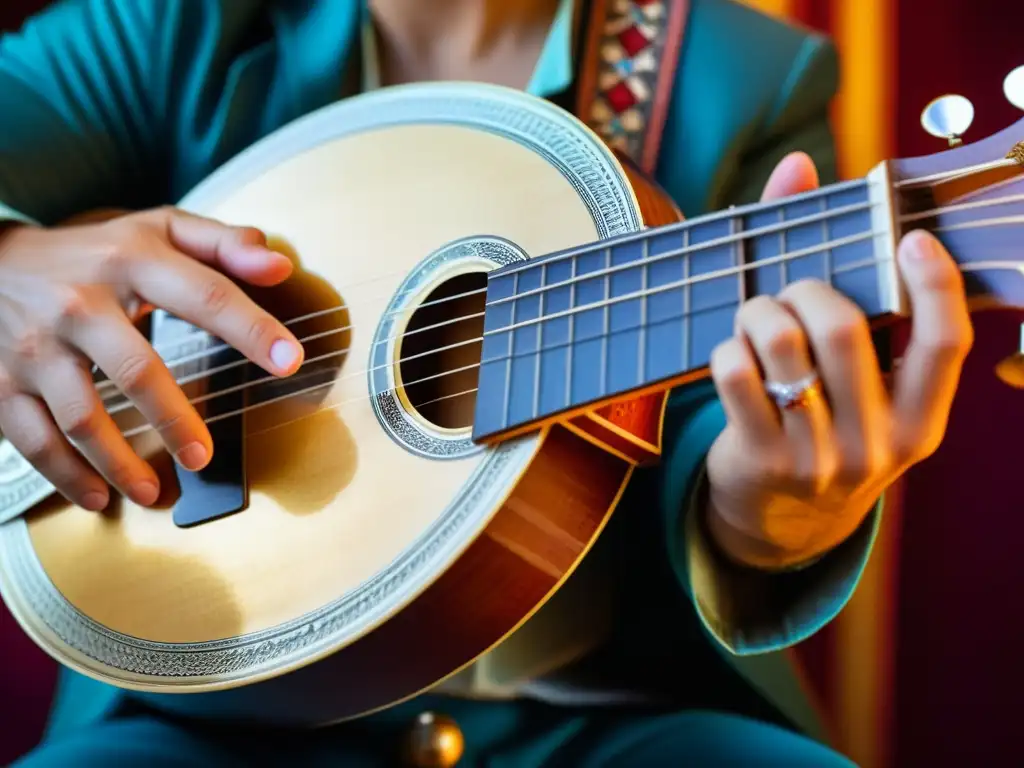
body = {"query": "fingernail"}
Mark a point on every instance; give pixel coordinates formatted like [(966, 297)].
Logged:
[(193, 456), (284, 353), (918, 246), (95, 501), (145, 492)]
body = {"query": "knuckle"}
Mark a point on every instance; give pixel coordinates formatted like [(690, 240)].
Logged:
[(785, 342), (168, 424), (262, 330), (8, 389), (816, 477), (79, 421), (729, 367), (70, 306), (112, 263), (153, 217), (848, 333), (866, 467), (777, 468), (955, 345), (30, 345), (120, 475), (36, 448), (216, 296), (941, 276), (806, 484), (133, 372)]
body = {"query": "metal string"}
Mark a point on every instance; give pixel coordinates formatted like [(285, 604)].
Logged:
[(593, 305), (1018, 266)]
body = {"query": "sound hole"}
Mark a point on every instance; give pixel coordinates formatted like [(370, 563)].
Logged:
[(440, 352)]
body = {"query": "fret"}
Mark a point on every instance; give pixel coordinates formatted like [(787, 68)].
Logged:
[(713, 302), (641, 361), (666, 309), (556, 338), (800, 237), (491, 413), (587, 350), (614, 316), (538, 356), (739, 256), (825, 237), (850, 267), (624, 366), (572, 337), (854, 270), (687, 303), (606, 318), (507, 401), (783, 249)]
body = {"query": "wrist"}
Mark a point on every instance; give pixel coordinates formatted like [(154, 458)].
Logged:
[(789, 535), (749, 551)]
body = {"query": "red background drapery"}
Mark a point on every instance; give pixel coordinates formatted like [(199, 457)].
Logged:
[(923, 666)]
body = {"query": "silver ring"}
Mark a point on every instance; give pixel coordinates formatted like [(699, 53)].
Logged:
[(790, 395)]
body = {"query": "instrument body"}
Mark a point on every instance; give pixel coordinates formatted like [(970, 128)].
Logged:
[(379, 552), (383, 548)]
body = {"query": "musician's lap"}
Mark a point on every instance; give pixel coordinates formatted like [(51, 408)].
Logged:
[(516, 735)]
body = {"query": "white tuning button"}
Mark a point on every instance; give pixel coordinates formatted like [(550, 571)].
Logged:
[(1013, 87), (948, 117)]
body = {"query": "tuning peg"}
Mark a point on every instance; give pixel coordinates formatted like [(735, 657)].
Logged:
[(1013, 87), (948, 117), (1011, 369)]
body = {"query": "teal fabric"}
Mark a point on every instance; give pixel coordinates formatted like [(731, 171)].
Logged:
[(498, 735), (112, 104)]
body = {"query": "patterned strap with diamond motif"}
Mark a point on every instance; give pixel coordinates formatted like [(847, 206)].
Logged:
[(630, 58)]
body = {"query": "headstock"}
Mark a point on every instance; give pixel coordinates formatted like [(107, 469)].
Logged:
[(972, 197)]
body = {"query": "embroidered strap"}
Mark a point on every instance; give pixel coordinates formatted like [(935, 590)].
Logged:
[(629, 65)]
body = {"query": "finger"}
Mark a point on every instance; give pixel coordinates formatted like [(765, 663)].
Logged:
[(841, 343), (941, 337), (794, 174), (780, 344), (208, 299), (76, 407), (128, 360), (777, 337), (239, 251), (27, 424), (741, 392)]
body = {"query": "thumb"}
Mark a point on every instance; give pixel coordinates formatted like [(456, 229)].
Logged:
[(794, 174)]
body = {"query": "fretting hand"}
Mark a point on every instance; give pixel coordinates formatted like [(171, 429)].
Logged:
[(790, 481), (68, 297)]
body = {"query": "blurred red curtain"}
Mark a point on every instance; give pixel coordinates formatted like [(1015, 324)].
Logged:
[(923, 666)]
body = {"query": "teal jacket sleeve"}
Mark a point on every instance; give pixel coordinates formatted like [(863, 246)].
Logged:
[(745, 610), (77, 120), (111, 104)]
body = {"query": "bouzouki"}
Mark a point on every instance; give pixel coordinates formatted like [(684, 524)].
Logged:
[(494, 308)]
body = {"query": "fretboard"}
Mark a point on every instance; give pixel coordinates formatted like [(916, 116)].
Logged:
[(658, 302)]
